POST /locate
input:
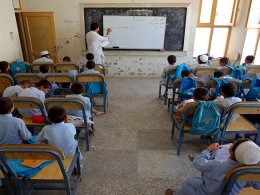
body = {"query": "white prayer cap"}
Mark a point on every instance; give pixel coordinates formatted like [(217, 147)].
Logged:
[(44, 53), (247, 153), (204, 58)]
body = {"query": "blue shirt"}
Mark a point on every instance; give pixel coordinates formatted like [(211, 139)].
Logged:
[(12, 130)]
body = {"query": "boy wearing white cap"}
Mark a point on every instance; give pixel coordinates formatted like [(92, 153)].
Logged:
[(212, 180), (203, 60), (45, 57)]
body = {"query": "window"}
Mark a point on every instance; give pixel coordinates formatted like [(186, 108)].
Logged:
[(252, 41), (214, 26)]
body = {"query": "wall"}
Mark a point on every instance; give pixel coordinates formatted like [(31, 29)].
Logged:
[(71, 37), (10, 48)]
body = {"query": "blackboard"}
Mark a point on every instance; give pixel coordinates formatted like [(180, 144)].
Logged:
[(175, 21)]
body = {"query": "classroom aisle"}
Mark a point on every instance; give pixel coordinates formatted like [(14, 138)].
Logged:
[(134, 154)]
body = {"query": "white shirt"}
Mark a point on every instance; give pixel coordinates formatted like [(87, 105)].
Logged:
[(43, 59), (31, 92), (12, 91), (60, 135), (12, 130), (94, 42), (228, 101), (91, 71)]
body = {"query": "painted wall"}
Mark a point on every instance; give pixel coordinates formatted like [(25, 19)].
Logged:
[(71, 38), (10, 48)]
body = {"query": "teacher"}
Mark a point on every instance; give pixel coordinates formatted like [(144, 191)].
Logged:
[(95, 42)]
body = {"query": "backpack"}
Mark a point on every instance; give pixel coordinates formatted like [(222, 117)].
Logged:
[(206, 119), (179, 69), (18, 66), (217, 91), (94, 88), (237, 72), (254, 91), (187, 87)]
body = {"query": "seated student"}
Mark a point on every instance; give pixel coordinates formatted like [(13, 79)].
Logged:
[(91, 67), (228, 91), (186, 74), (45, 69), (16, 89), (90, 57), (4, 67), (59, 134), (67, 59), (202, 60), (200, 94), (223, 61), (212, 179), (249, 61), (12, 130), (171, 63), (42, 88), (218, 74), (45, 57), (78, 89)]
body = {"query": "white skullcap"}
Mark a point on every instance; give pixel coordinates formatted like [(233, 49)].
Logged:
[(44, 53), (204, 58), (247, 153)]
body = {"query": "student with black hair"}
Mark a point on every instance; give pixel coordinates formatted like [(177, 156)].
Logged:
[(218, 74), (249, 61), (223, 61), (213, 171), (171, 64), (12, 130), (58, 133), (95, 42), (4, 67), (15, 90), (186, 74), (91, 67), (90, 57), (200, 94)]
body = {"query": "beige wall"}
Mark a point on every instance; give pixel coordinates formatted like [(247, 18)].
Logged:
[(71, 41), (10, 48)]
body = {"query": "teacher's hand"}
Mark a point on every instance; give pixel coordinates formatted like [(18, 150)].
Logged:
[(109, 30)]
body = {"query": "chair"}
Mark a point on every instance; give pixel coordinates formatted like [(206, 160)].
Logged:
[(99, 67), (253, 70), (6, 81), (57, 172), (30, 103), (236, 123), (36, 66), (60, 78), (167, 83), (93, 79), (72, 104), (62, 67), (32, 77), (204, 73), (242, 173), (185, 128)]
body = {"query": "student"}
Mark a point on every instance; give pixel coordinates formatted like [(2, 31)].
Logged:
[(228, 91), (90, 57), (95, 42), (203, 60), (200, 94), (4, 67), (42, 88), (223, 61), (12, 130), (91, 67), (218, 74), (171, 63), (186, 74), (45, 57), (59, 134), (249, 61), (78, 89), (212, 179), (66, 59), (16, 89)]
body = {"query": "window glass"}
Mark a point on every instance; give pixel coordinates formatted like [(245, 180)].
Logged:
[(257, 55), (224, 12), (205, 11), (218, 43), (254, 16), (201, 41)]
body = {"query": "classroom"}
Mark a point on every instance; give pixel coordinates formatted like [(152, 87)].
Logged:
[(150, 97)]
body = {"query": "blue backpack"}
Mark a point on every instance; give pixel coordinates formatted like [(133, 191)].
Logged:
[(206, 119), (187, 87), (18, 66), (237, 72), (179, 69), (220, 82), (254, 91), (94, 88)]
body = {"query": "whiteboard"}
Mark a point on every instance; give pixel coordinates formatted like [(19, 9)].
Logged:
[(135, 32)]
